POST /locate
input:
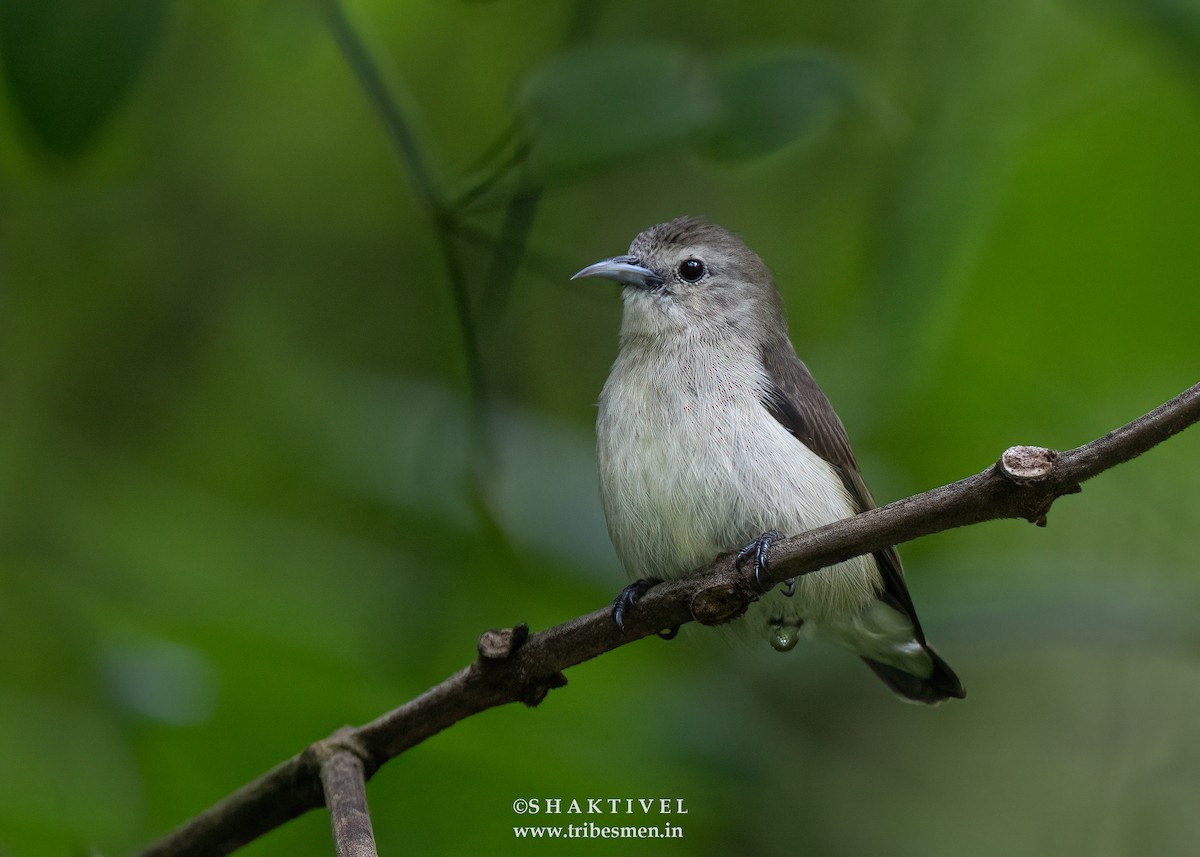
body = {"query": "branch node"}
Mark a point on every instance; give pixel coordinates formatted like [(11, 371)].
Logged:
[(718, 604), (344, 740), (1026, 464), (499, 644), (496, 650)]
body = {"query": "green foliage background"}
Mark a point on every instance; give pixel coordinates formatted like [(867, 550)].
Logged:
[(247, 494)]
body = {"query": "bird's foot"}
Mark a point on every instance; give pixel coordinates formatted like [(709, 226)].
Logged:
[(789, 587), (627, 599), (760, 549)]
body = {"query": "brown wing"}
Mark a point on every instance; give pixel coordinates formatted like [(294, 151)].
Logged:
[(800, 406)]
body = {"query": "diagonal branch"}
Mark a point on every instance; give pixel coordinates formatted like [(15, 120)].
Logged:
[(514, 666)]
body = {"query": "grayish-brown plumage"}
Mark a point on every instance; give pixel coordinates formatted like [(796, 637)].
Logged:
[(711, 432)]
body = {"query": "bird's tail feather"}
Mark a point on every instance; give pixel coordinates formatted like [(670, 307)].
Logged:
[(940, 685)]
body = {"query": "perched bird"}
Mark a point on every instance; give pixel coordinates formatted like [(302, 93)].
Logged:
[(712, 436)]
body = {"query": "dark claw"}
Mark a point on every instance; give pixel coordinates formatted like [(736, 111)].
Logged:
[(628, 597), (789, 587), (760, 549)]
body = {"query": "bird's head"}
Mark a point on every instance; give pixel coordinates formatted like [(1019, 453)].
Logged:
[(690, 276)]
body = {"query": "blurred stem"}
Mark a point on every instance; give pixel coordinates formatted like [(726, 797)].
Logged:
[(395, 122), (521, 210), (580, 26), (419, 169), (540, 264), (510, 246), (493, 166)]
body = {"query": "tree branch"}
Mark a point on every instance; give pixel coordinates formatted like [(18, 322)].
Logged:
[(515, 666)]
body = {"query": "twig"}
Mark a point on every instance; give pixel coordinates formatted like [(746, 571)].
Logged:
[(344, 783), (515, 666)]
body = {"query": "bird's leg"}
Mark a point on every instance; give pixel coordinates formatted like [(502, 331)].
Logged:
[(760, 549), (628, 597)]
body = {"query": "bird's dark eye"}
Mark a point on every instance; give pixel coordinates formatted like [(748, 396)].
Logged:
[(691, 270)]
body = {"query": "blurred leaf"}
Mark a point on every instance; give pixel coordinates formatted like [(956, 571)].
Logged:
[(597, 105), (160, 679), (769, 102), (69, 63), (591, 108), (1176, 21)]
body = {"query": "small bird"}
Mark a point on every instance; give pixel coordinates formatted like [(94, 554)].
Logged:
[(712, 436)]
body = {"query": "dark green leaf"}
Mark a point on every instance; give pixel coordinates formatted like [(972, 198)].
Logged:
[(68, 64), (601, 104), (767, 102)]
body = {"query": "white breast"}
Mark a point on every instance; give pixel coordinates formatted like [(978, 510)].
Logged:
[(692, 465)]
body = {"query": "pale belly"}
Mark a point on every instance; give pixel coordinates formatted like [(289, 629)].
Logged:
[(685, 480)]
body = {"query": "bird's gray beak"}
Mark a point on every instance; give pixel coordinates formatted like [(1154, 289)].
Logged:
[(624, 269)]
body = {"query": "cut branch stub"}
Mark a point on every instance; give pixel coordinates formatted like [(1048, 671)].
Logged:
[(1026, 464), (1029, 466), (499, 643), (501, 666)]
